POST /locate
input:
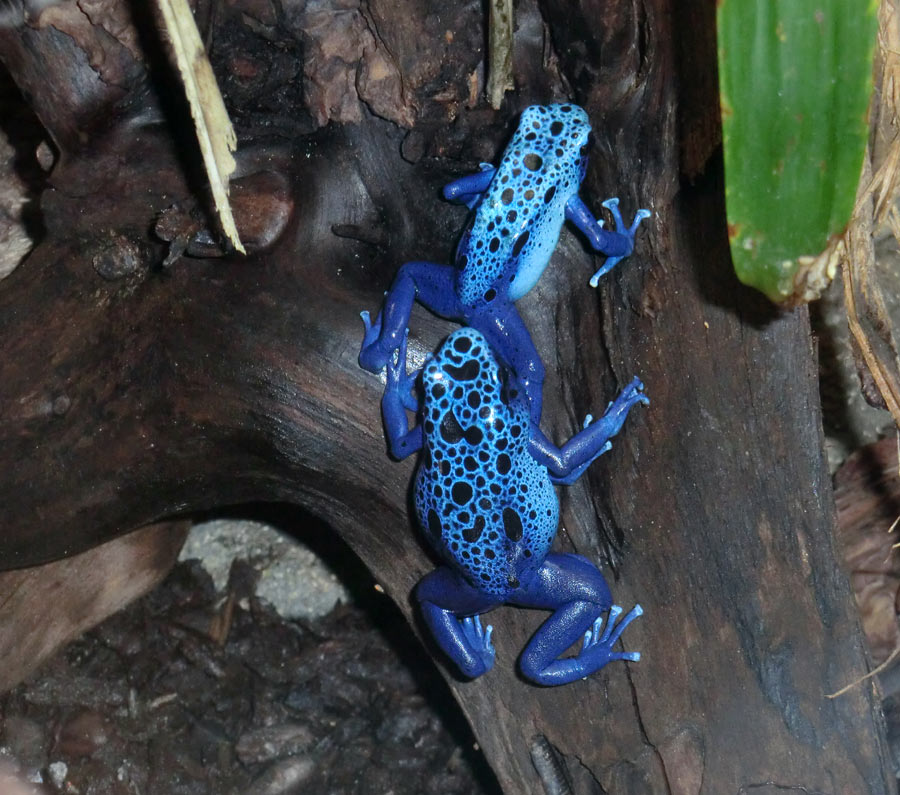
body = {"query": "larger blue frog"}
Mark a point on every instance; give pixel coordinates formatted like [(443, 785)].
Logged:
[(485, 501), (519, 209)]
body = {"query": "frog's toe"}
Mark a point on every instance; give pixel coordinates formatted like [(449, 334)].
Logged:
[(610, 263), (479, 640)]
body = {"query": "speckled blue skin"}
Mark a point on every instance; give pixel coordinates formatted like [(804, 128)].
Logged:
[(486, 502), (519, 209)]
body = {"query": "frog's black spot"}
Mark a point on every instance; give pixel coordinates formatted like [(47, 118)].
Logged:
[(501, 444), (485, 412), (504, 464), (556, 128), (467, 372), (517, 172), (559, 152), (480, 481), (511, 217), (504, 179), (490, 554), (493, 535), (499, 424), (549, 194), (455, 546), (470, 463), (495, 488), (504, 232), (516, 431), (490, 295), (507, 196), (536, 125), (451, 430), (485, 576), (445, 468), (484, 503), (490, 226), (527, 553), (473, 533), (529, 195), (532, 514), (530, 136), (512, 524), (461, 492), (494, 244), (438, 390), (532, 162), (462, 343), (521, 240), (474, 435), (483, 456), (474, 399), (458, 393), (566, 108), (429, 427), (434, 523)]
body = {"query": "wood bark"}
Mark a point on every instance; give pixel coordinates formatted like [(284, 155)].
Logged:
[(132, 392)]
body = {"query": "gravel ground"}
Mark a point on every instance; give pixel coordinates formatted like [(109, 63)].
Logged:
[(189, 692)]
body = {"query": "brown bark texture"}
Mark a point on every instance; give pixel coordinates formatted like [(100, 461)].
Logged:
[(134, 390)]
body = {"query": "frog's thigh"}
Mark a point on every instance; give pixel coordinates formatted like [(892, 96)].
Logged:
[(448, 591), (563, 579), (431, 284)]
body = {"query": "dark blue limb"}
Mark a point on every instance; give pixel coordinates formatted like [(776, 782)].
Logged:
[(467, 190), (576, 591), (615, 245), (433, 285), (450, 608), (566, 463), (508, 337), (401, 440)]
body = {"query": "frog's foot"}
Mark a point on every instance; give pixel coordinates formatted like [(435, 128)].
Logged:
[(632, 394), (377, 348), (628, 232), (482, 649), (596, 650), (399, 382)]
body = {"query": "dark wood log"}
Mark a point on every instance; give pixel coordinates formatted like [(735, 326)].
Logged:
[(225, 380)]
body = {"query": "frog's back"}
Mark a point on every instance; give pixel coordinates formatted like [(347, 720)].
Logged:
[(485, 505), (516, 226)]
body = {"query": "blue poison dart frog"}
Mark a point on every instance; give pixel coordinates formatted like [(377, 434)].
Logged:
[(485, 500), (518, 211)]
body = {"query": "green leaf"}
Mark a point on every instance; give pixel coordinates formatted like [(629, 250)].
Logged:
[(795, 79)]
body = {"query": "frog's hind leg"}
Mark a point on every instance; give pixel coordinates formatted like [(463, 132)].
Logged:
[(508, 336), (575, 590), (450, 608), (430, 284)]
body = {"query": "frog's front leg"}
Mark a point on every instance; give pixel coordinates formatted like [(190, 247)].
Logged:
[(576, 591), (432, 285), (615, 245), (450, 608), (469, 189), (589, 443)]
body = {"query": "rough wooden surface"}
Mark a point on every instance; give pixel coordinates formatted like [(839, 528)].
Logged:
[(227, 380)]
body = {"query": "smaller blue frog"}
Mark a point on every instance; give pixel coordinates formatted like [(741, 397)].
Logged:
[(519, 209), (485, 500)]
